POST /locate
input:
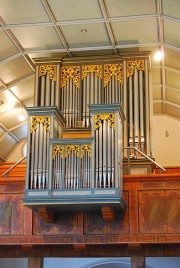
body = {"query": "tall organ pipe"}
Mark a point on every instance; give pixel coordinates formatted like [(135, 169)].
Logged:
[(44, 149), (142, 111), (57, 90), (42, 101), (32, 160), (52, 93), (136, 108), (130, 112), (47, 96)]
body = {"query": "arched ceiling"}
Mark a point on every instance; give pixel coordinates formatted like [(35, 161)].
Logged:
[(70, 28)]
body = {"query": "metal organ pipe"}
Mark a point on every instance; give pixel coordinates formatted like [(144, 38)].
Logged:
[(52, 93), (136, 108), (36, 96), (44, 149), (57, 90), (42, 102), (32, 160), (40, 143), (36, 153), (148, 105), (47, 96), (141, 110), (130, 112)]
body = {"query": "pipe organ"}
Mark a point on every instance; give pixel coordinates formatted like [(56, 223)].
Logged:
[(72, 85), (92, 96)]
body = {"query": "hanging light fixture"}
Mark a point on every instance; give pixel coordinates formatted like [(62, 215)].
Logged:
[(158, 55), (22, 116)]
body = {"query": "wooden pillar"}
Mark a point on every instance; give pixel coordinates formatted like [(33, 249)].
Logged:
[(137, 262), (35, 262)]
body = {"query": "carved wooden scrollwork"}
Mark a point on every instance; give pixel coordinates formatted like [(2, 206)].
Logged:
[(90, 69), (113, 69), (100, 117), (131, 65), (70, 72), (51, 69), (35, 120)]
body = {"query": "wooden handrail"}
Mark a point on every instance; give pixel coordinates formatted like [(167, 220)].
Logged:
[(150, 159), (6, 173)]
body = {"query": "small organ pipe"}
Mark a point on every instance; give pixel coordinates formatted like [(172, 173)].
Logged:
[(41, 129), (70, 103), (36, 156), (44, 158)]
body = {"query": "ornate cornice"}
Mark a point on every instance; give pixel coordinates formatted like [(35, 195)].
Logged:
[(100, 117), (35, 120), (113, 69), (51, 69), (131, 65), (70, 72)]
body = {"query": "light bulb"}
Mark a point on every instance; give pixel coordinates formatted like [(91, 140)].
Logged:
[(158, 55), (22, 117)]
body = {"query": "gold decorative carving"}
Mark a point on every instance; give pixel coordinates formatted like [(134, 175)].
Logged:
[(138, 64), (100, 117), (70, 148), (43, 69), (56, 149), (90, 69), (70, 72), (113, 69), (86, 147), (35, 120)]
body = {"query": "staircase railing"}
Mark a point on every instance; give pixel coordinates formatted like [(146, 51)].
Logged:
[(6, 173), (147, 157)]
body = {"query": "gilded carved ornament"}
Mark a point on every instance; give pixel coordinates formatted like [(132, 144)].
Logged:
[(51, 69), (131, 65), (86, 147), (79, 150), (113, 69), (58, 149), (100, 117), (70, 72), (35, 120), (90, 69), (70, 148)]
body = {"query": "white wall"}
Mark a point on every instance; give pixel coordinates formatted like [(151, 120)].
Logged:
[(17, 153), (166, 140)]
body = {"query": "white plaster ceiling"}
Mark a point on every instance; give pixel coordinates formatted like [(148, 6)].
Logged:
[(53, 28)]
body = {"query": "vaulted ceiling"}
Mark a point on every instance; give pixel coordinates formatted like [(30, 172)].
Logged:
[(70, 28)]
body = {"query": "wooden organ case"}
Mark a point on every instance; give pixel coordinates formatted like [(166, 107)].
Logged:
[(86, 111)]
